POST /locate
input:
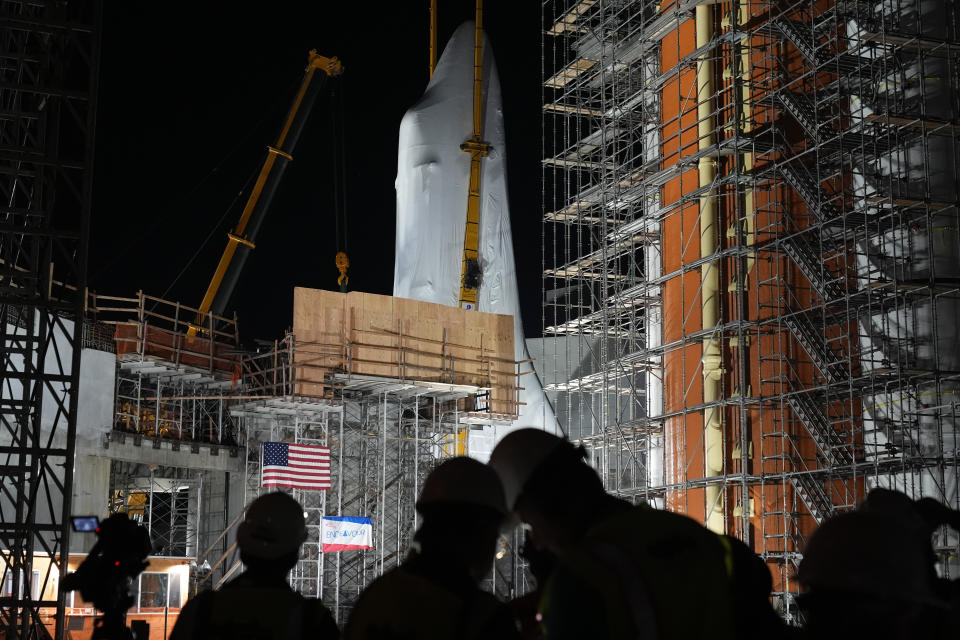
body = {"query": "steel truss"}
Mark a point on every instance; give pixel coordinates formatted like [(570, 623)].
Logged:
[(49, 55)]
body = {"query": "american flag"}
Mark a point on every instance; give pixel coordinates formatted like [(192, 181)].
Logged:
[(299, 466)]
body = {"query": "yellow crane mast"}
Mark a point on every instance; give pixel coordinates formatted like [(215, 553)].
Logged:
[(477, 148)]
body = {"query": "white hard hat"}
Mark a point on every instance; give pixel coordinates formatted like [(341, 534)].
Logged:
[(273, 526), (463, 481), (518, 455)]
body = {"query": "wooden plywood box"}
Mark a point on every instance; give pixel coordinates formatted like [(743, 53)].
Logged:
[(373, 335)]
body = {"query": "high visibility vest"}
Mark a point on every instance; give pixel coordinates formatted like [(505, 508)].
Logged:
[(254, 613), (403, 605), (644, 573)]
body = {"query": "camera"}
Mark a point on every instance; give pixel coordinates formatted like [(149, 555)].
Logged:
[(106, 577), (85, 524)]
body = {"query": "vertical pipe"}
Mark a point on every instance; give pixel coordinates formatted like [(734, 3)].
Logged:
[(383, 483), (180, 411), (199, 510), (749, 238), (226, 518), (336, 594), (416, 458), (323, 512), (173, 519), (400, 468), (712, 361), (136, 419), (150, 508)]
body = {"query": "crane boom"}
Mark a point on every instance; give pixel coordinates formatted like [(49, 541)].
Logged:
[(241, 240)]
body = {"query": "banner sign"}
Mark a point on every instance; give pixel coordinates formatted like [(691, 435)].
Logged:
[(343, 533)]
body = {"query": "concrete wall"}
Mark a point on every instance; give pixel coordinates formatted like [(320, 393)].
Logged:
[(94, 418), (91, 470)]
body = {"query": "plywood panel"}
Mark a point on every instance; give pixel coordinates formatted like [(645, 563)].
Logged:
[(396, 338)]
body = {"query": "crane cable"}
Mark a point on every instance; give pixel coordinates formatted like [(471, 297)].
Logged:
[(340, 185), (175, 203), (213, 230)]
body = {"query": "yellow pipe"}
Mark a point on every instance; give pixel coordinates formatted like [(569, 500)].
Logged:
[(709, 275), (433, 36), (748, 201)]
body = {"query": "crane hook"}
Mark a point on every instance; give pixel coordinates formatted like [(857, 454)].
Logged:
[(343, 262)]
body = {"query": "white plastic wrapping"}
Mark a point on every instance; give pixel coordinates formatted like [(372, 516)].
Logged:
[(432, 183), (914, 334)]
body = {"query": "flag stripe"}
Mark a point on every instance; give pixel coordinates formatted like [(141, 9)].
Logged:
[(332, 548), (293, 476), (303, 472), (297, 485), (293, 472), (307, 455)]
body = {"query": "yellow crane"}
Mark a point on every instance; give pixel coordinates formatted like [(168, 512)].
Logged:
[(478, 149), (242, 238)]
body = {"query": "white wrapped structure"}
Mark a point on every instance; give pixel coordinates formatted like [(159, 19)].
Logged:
[(917, 334), (432, 183)]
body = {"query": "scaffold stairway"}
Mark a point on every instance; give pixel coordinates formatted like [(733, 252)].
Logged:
[(812, 267), (813, 494), (817, 426), (798, 176), (793, 31), (802, 110), (823, 357)]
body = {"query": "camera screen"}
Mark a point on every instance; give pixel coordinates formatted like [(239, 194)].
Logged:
[(85, 523)]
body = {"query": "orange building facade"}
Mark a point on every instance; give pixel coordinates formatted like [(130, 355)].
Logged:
[(732, 184)]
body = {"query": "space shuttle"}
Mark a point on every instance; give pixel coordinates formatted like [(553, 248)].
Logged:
[(433, 176)]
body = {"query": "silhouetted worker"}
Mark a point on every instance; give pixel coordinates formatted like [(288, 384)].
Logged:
[(872, 573), (627, 571), (434, 593), (259, 604)]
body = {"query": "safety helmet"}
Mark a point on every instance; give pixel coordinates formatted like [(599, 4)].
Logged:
[(463, 481), (517, 456), (273, 526), (926, 514), (870, 554)]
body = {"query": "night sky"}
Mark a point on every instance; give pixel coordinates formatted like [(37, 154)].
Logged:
[(190, 94)]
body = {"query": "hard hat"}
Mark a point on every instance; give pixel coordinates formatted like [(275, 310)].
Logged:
[(463, 481), (871, 554), (273, 526), (926, 514), (517, 456)]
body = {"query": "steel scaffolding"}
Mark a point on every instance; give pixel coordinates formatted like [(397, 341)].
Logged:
[(175, 449), (385, 436), (164, 500), (751, 233), (49, 55)]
